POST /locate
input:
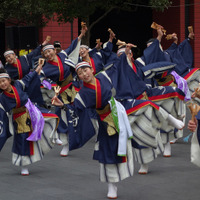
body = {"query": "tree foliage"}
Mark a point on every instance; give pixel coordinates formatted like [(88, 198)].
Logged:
[(28, 12), (33, 12), (160, 5), (67, 10)]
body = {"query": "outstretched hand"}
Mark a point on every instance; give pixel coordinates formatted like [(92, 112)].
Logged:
[(128, 48), (47, 40), (98, 45), (56, 101), (40, 64), (195, 94), (175, 38), (83, 32), (191, 35), (112, 36), (160, 33)]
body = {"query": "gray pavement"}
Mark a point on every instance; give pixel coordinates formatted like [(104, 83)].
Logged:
[(77, 177)]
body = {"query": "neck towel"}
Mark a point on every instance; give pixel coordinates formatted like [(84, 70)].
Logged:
[(125, 132)]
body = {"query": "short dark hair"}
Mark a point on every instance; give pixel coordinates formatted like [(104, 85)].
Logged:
[(57, 44), (2, 70), (150, 40)]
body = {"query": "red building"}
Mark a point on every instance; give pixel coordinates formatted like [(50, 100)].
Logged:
[(64, 33), (177, 18), (28, 37)]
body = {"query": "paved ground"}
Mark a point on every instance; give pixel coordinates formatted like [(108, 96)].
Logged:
[(76, 177)]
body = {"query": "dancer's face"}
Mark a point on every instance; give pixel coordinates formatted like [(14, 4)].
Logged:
[(5, 84), (50, 54), (83, 52), (86, 74), (10, 58)]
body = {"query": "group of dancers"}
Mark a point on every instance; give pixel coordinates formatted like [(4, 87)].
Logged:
[(135, 107)]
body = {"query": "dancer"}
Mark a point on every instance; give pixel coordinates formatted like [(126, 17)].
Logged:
[(96, 94), (33, 127), (60, 69), (193, 125), (182, 76), (128, 79), (16, 67), (113, 168), (97, 57)]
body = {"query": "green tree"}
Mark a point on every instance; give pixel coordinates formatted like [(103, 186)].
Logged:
[(83, 9), (27, 12), (31, 12)]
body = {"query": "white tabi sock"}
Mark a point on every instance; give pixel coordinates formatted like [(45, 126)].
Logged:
[(173, 141), (143, 169), (65, 150), (24, 171), (167, 150), (112, 191), (175, 122), (58, 141)]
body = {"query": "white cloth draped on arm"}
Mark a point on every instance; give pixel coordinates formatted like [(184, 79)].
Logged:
[(125, 131)]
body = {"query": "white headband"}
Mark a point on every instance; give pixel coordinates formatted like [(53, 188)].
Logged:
[(50, 46), (8, 52), (4, 75), (82, 64), (122, 50), (84, 46)]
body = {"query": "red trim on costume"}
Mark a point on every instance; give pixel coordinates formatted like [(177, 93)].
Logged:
[(166, 96), (61, 69), (18, 102), (49, 115), (91, 62), (52, 85), (98, 93), (140, 97), (16, 115), (65, 87), (19, 68), (164, 74), (8, 94), (124, 159), (93, 65), (89, 85), (104, 115), (53, 63), (190, 73), (60, 66), (141, 105), (168, 83), (31, 146), (77, 89), (134, 67)]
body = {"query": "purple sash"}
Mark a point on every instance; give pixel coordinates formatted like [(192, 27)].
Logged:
[(37, 121), (182, 84)]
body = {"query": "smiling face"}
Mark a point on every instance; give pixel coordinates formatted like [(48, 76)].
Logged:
[(10, 58), (5, 84), (50, 54), (86, 74), (83, 52)]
